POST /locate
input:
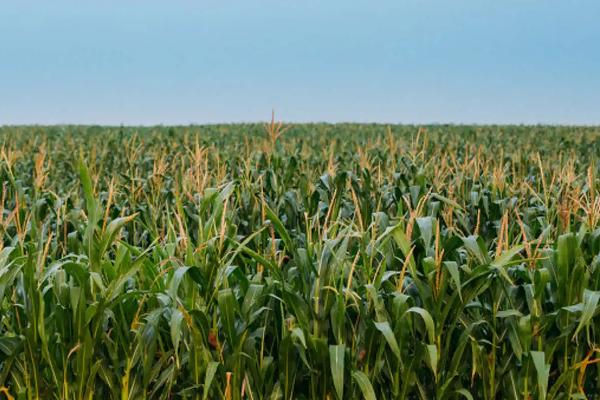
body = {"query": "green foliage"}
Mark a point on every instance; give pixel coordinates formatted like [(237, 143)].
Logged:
[(329, 262)]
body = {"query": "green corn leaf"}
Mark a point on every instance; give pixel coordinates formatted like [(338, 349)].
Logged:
[(227, 307), (365, 385), (465, 393), (543, 372), (433, 358), (385, 328), (88, 191), (590, 304), (426, 225), (280, 228), (336, 360), (429, 325), (175, 325), (112, 230), (211, 371), (452, 267), (9, 345), (446, 200), (476, 247), (506, 256)]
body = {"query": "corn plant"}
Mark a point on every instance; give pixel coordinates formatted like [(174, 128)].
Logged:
[(332, 262)]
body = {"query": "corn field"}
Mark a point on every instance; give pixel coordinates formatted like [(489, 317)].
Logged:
[(299, 262)]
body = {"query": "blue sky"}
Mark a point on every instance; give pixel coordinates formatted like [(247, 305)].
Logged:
[(409, 61)]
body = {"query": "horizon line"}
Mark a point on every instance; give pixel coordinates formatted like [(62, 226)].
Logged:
[(292, 122)]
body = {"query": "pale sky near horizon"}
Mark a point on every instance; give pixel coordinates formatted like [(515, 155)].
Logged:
[(408, 61)]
